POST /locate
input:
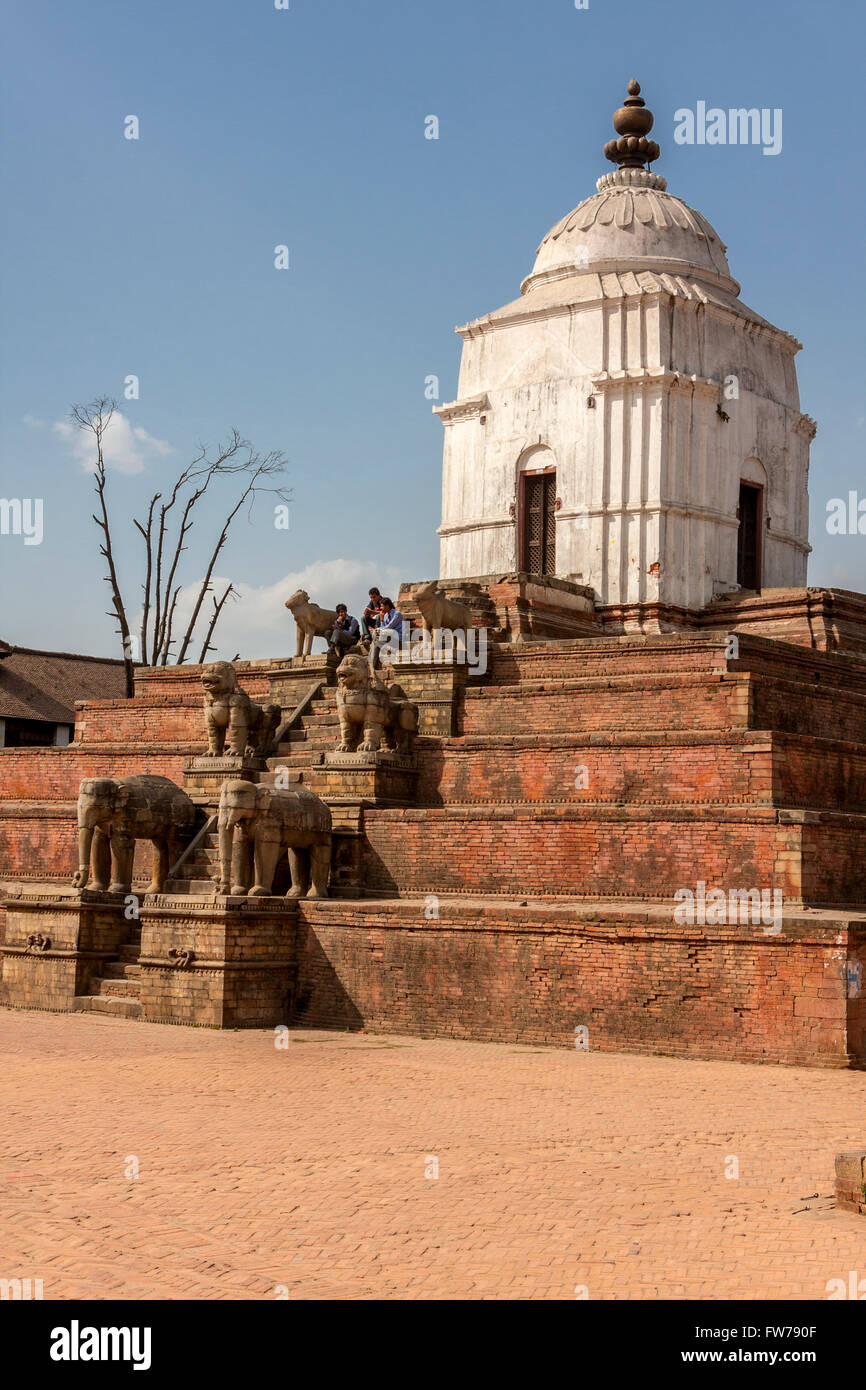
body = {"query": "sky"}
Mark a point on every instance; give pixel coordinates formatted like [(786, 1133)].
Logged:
[(304, 127)]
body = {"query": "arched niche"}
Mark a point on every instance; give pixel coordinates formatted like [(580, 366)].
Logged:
[(536, 511)]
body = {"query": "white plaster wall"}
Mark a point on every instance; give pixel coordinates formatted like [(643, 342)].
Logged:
[(652, 471)]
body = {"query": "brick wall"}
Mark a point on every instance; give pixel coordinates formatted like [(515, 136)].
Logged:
[(636, 982), (54, 774), (729, 766), (687, 702), (613, 851)]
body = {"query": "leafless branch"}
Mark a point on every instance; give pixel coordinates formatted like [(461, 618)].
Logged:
[(217, 609), (166, 541), (96, 417)]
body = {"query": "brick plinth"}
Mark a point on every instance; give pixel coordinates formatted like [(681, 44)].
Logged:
[(851, 1182), (373, 777), (203, 777), (55, 946), (227, 963), (626, 973)]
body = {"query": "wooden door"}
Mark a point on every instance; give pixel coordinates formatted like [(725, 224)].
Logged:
[(538, 515)]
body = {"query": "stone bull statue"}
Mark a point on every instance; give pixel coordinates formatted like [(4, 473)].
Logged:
[(113, 814), (258, 823), (438, 612)]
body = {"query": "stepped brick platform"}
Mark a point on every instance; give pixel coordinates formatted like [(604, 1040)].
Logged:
[(58, 944), (223, 964), (521, 877), (617, 976)]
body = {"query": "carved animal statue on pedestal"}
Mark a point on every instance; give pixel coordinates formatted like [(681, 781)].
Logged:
[(401, 726), (257, 823), (368, 712), (113, 814), (235, 724), (438, 612), (311, 620)]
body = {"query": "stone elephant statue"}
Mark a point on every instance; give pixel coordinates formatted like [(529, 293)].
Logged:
[(115, 812), (257, 823)]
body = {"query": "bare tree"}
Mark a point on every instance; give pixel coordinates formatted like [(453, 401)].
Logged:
[(96, 417), (169, 520)]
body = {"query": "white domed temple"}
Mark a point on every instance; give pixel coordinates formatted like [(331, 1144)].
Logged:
[(628, 424)]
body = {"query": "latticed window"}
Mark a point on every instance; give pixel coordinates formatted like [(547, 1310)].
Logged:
[(539, 523)]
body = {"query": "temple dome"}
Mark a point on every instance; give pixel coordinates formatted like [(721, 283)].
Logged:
[(632, 223)]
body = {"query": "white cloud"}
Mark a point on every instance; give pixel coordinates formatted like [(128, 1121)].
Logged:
[(257, 624), (33, 422), (126, 448)]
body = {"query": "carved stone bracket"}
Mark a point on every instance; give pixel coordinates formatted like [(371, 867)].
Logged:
[(180, 959)]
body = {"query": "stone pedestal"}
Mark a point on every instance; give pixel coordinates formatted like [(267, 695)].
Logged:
[(383, 778), (217, 962), (436, 688), (203, 777), (56, 944)]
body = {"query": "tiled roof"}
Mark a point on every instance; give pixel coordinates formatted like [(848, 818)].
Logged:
[(45, 685)]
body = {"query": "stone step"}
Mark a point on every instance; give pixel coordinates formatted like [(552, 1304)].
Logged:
[(121, 970), (118, 989), (193, 886), (318, 745), (206, 853), (108, 1004), (269, 779)]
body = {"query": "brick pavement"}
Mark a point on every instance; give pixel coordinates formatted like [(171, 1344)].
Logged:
[(305, 1168)]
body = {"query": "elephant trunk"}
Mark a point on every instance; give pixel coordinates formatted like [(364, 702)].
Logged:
[(85, 842), (226, 837)]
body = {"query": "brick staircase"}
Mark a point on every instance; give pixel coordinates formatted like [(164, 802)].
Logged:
[(314, 735), (117, 990), (198, 872)]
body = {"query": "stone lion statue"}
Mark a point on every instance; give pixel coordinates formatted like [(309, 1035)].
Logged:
[(232, 718), (311, 620), (369, 711)]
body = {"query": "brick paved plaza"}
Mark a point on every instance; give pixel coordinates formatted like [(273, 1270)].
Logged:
[(309, 1168)]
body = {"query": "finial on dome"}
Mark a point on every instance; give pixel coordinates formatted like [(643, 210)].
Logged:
[(632, 122)]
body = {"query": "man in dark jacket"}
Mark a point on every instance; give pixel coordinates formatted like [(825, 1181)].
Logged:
[(345, 633)]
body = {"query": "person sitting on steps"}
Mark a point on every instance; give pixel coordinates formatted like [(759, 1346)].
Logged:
[(391, 621), (372, 614), (345, 633)]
